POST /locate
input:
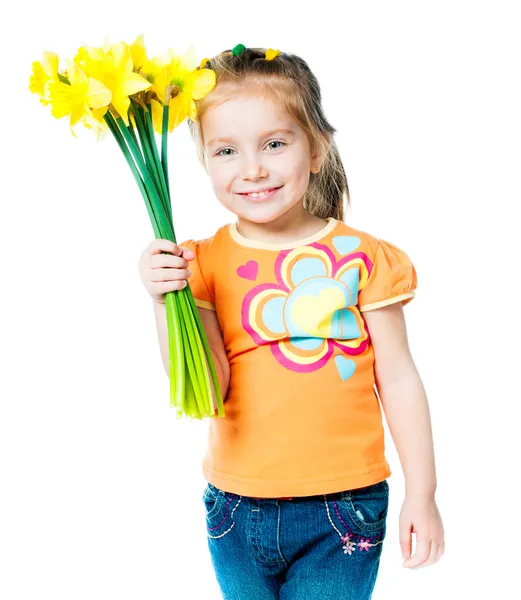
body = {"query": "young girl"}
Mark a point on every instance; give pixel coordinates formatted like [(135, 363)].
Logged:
[(304, 315)]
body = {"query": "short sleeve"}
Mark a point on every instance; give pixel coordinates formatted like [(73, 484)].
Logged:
[(392, 279), (198, 284)]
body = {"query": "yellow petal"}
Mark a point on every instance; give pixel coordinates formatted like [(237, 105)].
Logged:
[(99, 113), (106, 44), (72, 131), (75, 74), (60, 97), (178, 110), (42, 73), (38, 80), (157, 117), (50, 64), (192, 112), (201, 82), (121, 104), (139, 56), (133, 83), (97, 94), (78, 111), (188, 60), (96, 123), (120, 53)]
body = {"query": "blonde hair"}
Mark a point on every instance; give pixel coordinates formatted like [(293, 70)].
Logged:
[(289, 82)]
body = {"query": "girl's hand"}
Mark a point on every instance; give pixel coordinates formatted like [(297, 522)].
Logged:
[(420, 515), (161, 273)]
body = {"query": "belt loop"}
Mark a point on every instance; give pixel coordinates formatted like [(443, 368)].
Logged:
[(345, 495)]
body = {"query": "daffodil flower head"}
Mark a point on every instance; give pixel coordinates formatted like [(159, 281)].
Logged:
[(179, 81), (43, 74)]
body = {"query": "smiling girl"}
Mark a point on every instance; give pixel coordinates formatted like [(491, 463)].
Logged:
[(304, 315)]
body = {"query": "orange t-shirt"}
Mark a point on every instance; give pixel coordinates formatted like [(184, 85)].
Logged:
[(302, 413)]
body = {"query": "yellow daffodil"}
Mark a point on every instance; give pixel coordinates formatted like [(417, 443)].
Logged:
[(114, 68), (178, 82), (78, 96), (42, 74), (140, 60)]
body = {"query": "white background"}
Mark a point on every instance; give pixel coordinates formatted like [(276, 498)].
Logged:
[(101, 486)]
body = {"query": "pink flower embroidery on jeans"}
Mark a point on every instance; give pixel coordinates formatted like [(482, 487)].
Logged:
[(364, 544)]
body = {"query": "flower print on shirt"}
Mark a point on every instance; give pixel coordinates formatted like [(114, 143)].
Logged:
[(311, 309)]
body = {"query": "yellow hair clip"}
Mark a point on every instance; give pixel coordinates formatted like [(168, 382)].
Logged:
[(271, 54), (203, 62)]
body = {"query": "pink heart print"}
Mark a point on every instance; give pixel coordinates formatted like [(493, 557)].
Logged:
[(249, 270)]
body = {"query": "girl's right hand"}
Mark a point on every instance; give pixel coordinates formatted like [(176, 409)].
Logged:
[(161, 273)]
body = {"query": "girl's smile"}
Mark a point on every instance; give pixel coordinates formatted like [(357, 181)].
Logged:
[(261, 196)]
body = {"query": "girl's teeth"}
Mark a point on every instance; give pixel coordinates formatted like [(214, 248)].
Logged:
[(259, 195)]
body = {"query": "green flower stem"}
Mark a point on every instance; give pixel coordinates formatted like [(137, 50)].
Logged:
[(164, 145), (149, 127), (208, 354), (109, 119), (188, 352), (190, 403), (120, 131), (197, 350), (192, 370), (165, 229), (175, 349), (131, 131), (149, 155)]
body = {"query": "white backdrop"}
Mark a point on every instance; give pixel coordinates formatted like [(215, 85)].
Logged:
[(101, 486)]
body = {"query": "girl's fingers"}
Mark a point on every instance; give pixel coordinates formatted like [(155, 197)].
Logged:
[(157, 246), (159, 275), (169, 286), (161, 245), (187, 253), (440, 552), (432, 555), (167, 260), (405, 540), (423, 548)]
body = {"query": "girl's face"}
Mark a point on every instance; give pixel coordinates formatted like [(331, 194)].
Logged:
[(250, 144)]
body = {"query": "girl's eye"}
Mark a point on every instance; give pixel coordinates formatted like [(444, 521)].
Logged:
[(276, 142), (220, 152)]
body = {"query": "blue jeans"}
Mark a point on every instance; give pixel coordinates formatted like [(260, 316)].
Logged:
[(325, 547)]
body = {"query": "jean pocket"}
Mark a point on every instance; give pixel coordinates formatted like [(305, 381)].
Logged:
[(212, 499), (361, 513), (367, 507), (220, 511)]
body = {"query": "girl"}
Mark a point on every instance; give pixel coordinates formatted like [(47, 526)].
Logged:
[(304, 315)]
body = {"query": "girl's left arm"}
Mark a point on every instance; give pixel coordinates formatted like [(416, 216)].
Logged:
[(406, 408)]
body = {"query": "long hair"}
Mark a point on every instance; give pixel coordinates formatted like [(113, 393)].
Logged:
[(289, 82)]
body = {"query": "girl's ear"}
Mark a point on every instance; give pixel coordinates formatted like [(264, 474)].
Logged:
[(319, 155)]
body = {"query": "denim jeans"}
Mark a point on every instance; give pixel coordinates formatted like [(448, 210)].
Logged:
[(324, 547)]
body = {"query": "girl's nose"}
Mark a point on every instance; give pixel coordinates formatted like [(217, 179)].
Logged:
[(253, 169)]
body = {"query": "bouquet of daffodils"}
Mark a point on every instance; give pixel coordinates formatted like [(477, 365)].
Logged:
[(118, 88)]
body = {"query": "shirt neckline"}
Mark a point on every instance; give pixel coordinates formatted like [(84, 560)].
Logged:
[(242, 241)]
